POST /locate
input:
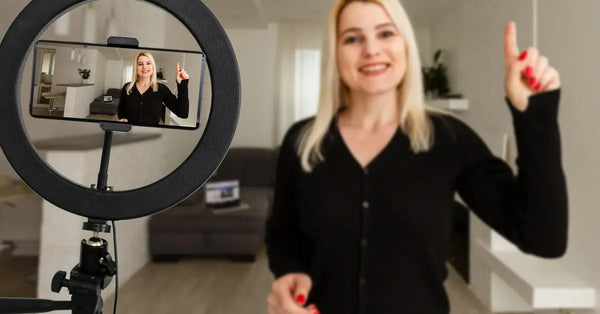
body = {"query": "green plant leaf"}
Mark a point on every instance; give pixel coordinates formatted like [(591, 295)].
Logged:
[(437, 55)]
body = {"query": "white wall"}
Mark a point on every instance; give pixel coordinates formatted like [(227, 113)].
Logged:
[(97, 69), (65, 68), (113, 79), (256, 54), (255, 50), (568, 34)]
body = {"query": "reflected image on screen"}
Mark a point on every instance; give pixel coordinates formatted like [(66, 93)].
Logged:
[(139, 86)]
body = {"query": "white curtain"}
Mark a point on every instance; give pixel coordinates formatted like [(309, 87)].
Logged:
[(299, 67)]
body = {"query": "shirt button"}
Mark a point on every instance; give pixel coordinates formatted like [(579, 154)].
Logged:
[(365, 204), (364, 242), (362, 281)]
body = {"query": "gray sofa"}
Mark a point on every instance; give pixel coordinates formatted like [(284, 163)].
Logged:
[(99, 106), (192, 229)]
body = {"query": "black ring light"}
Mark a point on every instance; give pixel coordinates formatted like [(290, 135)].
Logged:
[(168, 191)]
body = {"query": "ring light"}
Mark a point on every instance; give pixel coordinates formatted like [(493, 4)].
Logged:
[(168, 191)]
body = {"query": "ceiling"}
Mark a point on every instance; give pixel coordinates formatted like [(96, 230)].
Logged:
[(257, 13)]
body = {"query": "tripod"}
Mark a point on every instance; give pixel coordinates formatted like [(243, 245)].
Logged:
[(96, 267)]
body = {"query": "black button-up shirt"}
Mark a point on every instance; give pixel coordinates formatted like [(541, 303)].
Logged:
[(374, 240), (147, 108)]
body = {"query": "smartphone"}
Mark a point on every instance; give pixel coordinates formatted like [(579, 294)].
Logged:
[(99, 83)]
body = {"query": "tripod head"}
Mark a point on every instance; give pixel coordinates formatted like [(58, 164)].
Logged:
[(93, 274), (86, 281)]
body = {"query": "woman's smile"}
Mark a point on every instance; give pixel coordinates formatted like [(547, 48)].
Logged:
[(374, 69)]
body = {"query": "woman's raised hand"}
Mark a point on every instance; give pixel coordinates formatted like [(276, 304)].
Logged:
[(288, 295), (526, 73), (181, 75)]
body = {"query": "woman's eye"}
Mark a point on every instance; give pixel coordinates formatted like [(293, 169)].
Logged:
[(351, 40), (387, 34)]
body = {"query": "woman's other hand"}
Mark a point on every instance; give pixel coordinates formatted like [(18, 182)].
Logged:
[(288, 295), (526, 73), (181, 75), (123, 120)]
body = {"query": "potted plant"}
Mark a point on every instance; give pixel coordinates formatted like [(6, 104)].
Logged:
[(435, 78), (85, 75)]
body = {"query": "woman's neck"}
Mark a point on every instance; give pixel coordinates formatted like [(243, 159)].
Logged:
[(371, 112), (144, 81)]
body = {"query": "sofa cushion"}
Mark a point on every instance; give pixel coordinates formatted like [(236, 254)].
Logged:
[(251, 166), (114, 92)]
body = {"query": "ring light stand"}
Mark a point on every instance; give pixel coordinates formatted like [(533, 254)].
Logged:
[(100, 203)]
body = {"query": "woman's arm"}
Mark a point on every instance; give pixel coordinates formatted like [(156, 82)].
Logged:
[(530, 210), (177, 104)]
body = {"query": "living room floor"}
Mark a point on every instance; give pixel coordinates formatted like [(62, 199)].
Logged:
[(18, 276), (220, 286)]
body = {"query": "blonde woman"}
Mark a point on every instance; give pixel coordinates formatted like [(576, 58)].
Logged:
[(364, 190), (143, 99)]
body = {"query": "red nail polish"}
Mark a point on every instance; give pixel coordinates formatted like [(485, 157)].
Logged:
[(523, 55), (538, 87), (181, 75), (528, 71), (301, 298), (532, 81)]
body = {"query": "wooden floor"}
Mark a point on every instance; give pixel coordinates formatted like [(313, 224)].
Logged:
[(219, 286), (198, 286), (18, 276), (41, 111)]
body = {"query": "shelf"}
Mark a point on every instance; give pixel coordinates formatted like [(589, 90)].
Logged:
[(453, 104), (542, 283)]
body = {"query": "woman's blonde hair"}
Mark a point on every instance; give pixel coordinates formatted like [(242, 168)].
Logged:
[(134, 76), (334, 94)]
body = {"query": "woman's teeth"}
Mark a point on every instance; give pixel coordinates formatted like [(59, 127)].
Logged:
[(374, 68)]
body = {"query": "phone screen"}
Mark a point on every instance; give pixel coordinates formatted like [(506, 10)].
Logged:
[(95, 83)]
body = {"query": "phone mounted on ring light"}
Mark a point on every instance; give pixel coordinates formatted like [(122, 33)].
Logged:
[(58, 92)]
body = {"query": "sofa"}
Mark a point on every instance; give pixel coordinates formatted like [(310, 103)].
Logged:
[(99, 106), (191, 229)]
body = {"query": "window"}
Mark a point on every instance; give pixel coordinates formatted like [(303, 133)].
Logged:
[(306, 82), (127, 74)]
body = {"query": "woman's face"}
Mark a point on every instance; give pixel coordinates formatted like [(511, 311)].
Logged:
[(371, 54), (144, 67)]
